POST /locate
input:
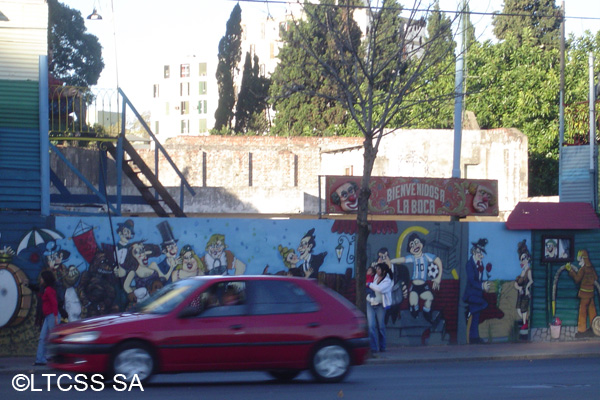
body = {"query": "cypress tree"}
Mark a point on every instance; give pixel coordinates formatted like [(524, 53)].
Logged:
[(229, 57)]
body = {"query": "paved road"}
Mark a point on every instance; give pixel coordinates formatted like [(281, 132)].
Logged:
[(548, 379)]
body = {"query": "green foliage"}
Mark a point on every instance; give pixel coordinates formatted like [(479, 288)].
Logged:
[(304, 91), (515, 83), (229, 57), (75, 56), (433, 108), (542, 17), (251, 103)]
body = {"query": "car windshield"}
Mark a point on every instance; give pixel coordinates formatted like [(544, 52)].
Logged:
[(169, 297)]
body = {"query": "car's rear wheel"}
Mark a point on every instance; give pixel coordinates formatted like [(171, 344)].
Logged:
[(284, 375), (330, 362), (131, 359)]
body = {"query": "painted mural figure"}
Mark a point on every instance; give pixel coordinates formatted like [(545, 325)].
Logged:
[(523, 284), (100, 289), (310, 263), (290, 261), (66, 278), (190, 264), (473, 295), (169, 247), (346, 196), (126, 233), (425, 266), (218, 260), (550, 249), (483, 197), (585, 277), (143, 278)]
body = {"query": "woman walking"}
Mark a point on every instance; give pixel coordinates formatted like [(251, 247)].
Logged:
[(49, 312), (377, 305)]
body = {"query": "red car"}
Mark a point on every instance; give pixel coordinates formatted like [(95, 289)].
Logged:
[(278, 324)]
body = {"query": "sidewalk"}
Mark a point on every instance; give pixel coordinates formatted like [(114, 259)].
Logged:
[(497, 351), (414, 354)]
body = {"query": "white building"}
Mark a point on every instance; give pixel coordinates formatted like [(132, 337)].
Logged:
[(184, 97), (185, 89)]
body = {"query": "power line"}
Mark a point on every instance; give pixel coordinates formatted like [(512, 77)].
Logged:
[(526, 15)]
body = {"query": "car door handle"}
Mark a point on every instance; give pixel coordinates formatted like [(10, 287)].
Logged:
[(236, 327), (313, 325)]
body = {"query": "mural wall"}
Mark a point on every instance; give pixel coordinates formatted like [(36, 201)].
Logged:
[(453, 282)]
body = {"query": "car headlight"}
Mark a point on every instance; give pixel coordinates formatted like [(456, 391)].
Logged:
[(81, 337)]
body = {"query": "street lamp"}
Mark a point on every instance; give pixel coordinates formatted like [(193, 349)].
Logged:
[(94, 15)]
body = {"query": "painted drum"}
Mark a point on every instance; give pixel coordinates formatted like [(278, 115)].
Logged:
[(15, 297), (596, 325)]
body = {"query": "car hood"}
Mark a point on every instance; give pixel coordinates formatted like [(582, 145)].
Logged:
[(104, 321)]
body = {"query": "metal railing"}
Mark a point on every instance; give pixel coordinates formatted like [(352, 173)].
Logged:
[(84, 116)]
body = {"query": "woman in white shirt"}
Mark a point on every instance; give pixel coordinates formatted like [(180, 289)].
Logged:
[(377, 306)]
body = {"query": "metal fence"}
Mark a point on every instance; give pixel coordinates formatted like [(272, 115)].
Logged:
[(79, 111)]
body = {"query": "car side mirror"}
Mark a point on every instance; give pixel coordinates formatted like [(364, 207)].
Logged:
[(189, 312)]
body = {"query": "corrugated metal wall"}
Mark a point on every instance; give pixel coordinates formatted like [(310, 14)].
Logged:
[(577, 182), (23, 38), (567, 302)]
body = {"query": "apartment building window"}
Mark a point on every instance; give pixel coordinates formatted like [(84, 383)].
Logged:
[(185, 126), (155, 91), (202, 128), (202, 69), (202, 107), (184, 88), (156, 126), (202, 89), (271, 50), (262, 69), (185, 70), (167, 108), (167, 71), (185, 107)]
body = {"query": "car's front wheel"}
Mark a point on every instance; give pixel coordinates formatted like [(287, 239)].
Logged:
[(330, 362), (133, 359)]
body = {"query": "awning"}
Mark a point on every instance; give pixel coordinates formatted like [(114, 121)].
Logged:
[(540, 216)]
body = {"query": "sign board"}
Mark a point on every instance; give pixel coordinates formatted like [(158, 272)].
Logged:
[(414, 196)]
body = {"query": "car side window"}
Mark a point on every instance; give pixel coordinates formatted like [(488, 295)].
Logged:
[(222, 299), (279, 297)]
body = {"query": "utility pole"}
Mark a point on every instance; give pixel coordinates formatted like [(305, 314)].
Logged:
[(561, 106), (459, 91)]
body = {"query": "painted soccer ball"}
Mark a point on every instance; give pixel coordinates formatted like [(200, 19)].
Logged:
[(432, 271)]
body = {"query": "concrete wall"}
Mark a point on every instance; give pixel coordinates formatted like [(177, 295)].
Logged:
[(255, 174)]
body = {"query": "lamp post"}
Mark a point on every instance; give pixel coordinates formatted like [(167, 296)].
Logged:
[(340, 249)]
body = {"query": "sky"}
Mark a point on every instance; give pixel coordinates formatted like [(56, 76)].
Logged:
[(138, 33)]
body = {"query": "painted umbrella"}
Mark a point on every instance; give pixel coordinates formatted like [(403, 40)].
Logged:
[(38, 236)]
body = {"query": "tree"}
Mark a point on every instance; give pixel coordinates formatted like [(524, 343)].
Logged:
[(299, 111), (372, 82), (515, 83), (542, 17), (252, 99), (437, 81), (229, 57), (75, 55)]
